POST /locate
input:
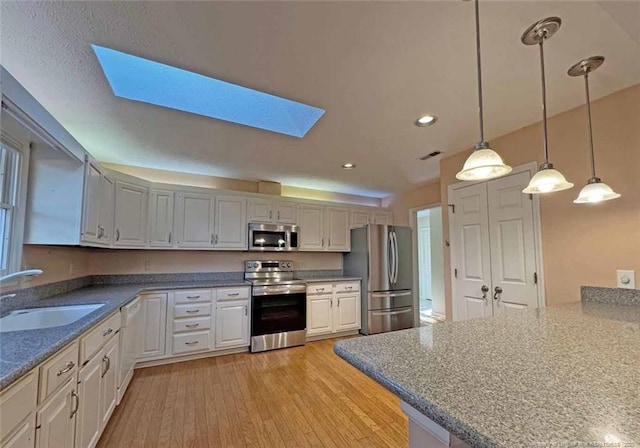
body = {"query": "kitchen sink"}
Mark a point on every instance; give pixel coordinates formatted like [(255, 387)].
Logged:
[(37, 318)]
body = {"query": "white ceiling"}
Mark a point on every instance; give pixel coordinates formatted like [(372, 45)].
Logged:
[(374, 67)]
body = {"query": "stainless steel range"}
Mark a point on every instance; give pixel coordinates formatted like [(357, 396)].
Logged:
[(278, 305)]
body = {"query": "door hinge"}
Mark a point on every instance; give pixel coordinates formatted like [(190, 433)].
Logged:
[(453, 207), (535, 278), (455, 272)]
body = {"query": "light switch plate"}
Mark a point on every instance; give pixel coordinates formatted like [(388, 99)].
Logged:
[(626, 279)]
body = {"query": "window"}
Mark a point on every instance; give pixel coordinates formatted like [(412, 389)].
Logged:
[(10, 247)]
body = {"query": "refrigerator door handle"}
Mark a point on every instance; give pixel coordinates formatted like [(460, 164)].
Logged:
[(395, 240), (394, 243), (391, 294), (390, 258)]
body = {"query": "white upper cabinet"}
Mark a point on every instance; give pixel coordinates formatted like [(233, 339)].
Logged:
[(130, 217), (337, 229), (381, 217), (359, 218), (91, 202), (268, 211), (311, 222), (161, 218), (195, 217), (286, 213), (230, 222), (106, 209)]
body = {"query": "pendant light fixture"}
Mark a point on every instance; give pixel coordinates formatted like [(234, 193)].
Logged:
[(483, 163), (547, 179), (595, 190)]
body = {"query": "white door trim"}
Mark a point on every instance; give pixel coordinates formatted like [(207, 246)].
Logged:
[(413, 223), (532, 168)]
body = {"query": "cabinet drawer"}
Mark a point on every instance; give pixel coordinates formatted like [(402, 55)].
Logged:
[(347, 287), (191, 342), (193, 310), (233, 294), (319, 288), (17, 402), (195, 324), (57, 370), (193, 296), (99, 336)]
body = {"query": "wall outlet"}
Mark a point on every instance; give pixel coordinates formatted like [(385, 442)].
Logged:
[(626, 279), (147, 265)]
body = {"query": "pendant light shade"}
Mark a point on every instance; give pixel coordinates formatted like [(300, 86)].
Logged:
[(547, 179), (595, 190), (483, 163)]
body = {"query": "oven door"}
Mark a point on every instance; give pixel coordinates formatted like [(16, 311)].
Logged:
[(278, 311)]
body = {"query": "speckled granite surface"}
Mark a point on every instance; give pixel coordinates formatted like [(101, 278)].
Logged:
[(545, 378), (618, 296), (318, 274), (337, 278), (20, 351)]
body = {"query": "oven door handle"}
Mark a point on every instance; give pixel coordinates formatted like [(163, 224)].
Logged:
[(275, 290)]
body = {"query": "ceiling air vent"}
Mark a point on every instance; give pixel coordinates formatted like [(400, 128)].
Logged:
[(430, 155)]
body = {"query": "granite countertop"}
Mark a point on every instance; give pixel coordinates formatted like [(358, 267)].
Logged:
[(332, 279), (21, 351), (554, 377)]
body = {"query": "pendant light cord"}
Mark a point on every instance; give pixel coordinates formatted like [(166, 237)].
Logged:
[(480, 111), (586, 89), (543, 36)]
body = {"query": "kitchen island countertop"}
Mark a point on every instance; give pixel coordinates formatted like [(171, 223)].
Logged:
[(559, 376)]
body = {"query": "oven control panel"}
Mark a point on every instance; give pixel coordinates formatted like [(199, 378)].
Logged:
[(268, 266)]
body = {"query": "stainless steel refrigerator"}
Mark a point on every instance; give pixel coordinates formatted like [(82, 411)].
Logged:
[(382, 256)]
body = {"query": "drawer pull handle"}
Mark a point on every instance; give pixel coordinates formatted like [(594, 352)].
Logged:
[(193, 297), (319, 289), (348, 287), (68, 366), (191, 343), (192, 325), (234, 294), (107, 333), (193, 311)]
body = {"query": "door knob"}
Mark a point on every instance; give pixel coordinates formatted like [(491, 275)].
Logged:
[(485, 290), (497, 290)]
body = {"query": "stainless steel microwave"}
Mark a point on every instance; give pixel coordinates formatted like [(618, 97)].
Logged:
[(273, 237)]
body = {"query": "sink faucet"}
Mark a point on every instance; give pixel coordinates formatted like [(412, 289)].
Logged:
[(27, 273)]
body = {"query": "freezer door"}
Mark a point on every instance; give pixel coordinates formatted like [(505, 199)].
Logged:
[(381, 321), (390, 299)]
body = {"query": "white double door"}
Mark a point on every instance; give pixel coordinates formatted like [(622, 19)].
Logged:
[(493, 248)]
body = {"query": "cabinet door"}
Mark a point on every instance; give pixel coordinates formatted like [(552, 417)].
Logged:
[(109, 380), (56, 419), (382, 218), (130, 215), (319, 314), (24, 436), (346, 312), (337, 230), (286, 213), (231, 222), (160, 218), (89, 419), (194, 219), (260, 210), (232, 324), (153, 325), (359, 218), (311, 218), (91, 201), (106, 210)]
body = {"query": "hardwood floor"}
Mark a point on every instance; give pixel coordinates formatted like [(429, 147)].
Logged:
[(297, 397)]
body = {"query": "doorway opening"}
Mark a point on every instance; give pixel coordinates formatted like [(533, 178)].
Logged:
[(430, 264)]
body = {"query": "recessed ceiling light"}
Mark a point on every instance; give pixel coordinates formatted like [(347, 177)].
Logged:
[(348, 166), (426, 120)]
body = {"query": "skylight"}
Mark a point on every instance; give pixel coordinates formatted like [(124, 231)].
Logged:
[(140, 79)]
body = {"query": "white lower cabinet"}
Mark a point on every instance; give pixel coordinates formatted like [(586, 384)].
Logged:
[(333, 308), (109, 380), (232, 324), (153, 326), (56, 420), (24, 436), (89, 424)]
